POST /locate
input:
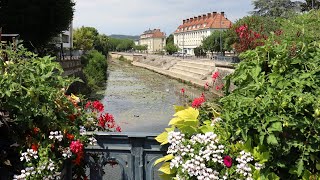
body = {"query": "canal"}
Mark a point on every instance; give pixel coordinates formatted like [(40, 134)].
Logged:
[(141, 100)]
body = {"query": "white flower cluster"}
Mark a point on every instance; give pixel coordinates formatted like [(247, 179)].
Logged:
[(25, 173), (243, 167), (204, 138), (213, 152), (92, 141), (56, 135), (258, 166), (30, 154), (66, 153), (54, 176), (175, 139)]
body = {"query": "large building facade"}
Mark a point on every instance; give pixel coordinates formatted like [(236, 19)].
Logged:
[(154, 39), (192, 31)]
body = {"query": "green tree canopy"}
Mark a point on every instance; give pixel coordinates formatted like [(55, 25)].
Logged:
[(84, 38), (212, 42), (36, 21), (310, 4), (171, 48), (101, 44), (275, 8), (170, 39)]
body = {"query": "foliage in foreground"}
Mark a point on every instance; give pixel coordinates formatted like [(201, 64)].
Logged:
[(277, 106), (41, 123)]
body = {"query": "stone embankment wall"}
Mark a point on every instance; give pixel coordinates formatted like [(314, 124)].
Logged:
[(195, 71)]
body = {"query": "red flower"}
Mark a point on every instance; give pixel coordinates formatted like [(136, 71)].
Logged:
[(227, 161), (182, 90), (36, 130), (72, 117), (215, 75), (76, 146), (219, 87), (198, 101), (98, 106), (78, 159), (118, 129), (70, 136), (88, 104), (34, 147)]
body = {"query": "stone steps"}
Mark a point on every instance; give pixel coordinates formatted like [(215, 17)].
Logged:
[(194, 69)]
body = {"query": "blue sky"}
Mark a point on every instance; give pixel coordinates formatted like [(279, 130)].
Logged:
[(132, 17)]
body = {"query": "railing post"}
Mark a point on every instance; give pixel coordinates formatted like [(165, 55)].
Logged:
[(137, 156)]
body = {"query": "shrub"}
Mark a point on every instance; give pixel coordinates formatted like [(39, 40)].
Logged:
[(39, 121), (95, 69), (276, 105)]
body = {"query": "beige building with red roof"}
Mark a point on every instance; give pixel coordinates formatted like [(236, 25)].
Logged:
[(192, 31), (154, 39)]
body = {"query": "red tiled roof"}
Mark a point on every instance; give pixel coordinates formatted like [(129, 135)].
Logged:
[(207, 21), (156, 33)]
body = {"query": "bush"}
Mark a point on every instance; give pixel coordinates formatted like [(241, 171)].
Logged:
[(277, 106), (95, 69), (38, 121)]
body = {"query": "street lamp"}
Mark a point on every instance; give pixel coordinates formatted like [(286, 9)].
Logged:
[(220, 34)]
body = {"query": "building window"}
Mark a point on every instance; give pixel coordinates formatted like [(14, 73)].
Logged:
[(65, 38)]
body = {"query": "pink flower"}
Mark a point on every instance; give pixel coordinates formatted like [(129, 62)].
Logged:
[(219, 87), (76, 146), (227, 161), (182, 90), (98, 106), (215, 75), (118, 129), (198, 101)]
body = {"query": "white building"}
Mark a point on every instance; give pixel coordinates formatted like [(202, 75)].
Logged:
[(192, 31)]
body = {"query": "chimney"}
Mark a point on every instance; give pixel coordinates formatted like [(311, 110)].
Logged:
[(187, 20), (191, 19), (199, 17), (222, 13), (209, 15), (195, 18), (204, 16), (184, 21), (214, 13)]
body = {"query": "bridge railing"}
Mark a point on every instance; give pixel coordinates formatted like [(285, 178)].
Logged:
[(124, 156)]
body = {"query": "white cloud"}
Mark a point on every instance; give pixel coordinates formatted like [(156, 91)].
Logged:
[(132, 17)]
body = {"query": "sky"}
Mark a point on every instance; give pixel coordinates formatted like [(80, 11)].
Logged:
[(132, 17)]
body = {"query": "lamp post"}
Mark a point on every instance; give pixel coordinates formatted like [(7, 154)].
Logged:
[(220, 34)]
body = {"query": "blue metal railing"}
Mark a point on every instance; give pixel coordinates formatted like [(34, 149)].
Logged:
[(125, 156)]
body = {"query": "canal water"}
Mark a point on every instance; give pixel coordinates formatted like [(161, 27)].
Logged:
[(141, 100)]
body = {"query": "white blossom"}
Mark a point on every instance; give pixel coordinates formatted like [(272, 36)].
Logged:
[(56, 135), (30, 154), (92, 141), (66, 153)]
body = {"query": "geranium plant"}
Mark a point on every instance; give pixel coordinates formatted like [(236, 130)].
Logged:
[(39, 121)]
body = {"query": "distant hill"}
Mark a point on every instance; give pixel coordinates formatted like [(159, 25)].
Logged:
[(119, 36)]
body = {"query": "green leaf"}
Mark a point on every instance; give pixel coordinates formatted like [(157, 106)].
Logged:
[(164, 159), (162, 138), (271, 139), (318, 166), (300, 167), (165, 168), (206, 128), (179, 108), (276, 126)]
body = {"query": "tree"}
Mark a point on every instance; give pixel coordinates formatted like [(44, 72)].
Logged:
[(199, 51), (36, 21), (101, 44), (170, 39), (140, 47), (84, 38), (171, 48), (275, 8), (212, 42), (125, 45), (310, 4)]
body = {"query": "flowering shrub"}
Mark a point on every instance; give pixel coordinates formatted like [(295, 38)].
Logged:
[(201, 149), (41, 123)]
